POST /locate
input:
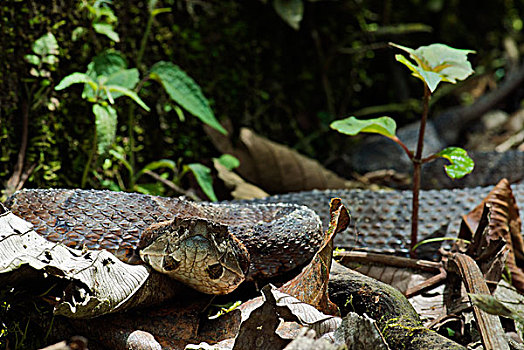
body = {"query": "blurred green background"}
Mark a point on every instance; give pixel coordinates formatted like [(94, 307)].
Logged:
[(286, 69)]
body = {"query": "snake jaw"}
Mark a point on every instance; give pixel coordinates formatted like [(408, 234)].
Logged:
[(197, 252)]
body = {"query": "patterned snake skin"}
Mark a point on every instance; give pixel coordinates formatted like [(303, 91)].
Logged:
[(380, 220), (115, 221)]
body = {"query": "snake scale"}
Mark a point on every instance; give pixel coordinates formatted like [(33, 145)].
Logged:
[(211, 247), (232, 242)]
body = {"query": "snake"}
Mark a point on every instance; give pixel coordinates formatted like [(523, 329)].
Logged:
[(214, 247), (210, 247)]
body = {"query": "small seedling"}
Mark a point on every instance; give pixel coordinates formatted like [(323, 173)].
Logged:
[(432, 64)]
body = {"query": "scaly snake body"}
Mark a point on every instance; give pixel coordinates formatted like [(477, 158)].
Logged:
[(207, 243), (278, 236)]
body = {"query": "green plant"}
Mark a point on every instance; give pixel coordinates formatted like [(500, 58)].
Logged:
[(107, 78), (103, 19), (432, 64), (37, 94), (493, 306)]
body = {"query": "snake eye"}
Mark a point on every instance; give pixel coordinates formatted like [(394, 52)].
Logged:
[(214, 271), (170, 263)]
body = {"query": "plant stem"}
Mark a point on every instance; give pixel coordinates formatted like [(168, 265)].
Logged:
[(404, 147), (131, 155), (143, 42), (88, 163), (417, 163), (131, 119)]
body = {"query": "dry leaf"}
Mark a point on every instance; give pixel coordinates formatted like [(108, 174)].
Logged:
[(278, 318), (275, 167), (94, 282), (502, 223), (240, 188), (310, 286), (489, 326)]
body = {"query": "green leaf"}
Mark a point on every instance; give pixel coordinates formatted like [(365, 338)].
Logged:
[(228, 161), (440, 239), (203, 176), (158, 11), (352, 126), (131, 94), (46, 45), (431, 78), (184, 91), (107, 63), (105, 121), (77, 33), (121, 157), (436, 63), (107, 30), (109, 67), (162, 163), (461, 163), (76, 78), (155, 188), (291, 11), (32, 59), (126, 78), (50, 60)]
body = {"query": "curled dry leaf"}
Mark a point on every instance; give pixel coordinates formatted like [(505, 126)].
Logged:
[(93, 283), (263, 329), (310, 286), (274, 167), (489, 326), (496, 219)]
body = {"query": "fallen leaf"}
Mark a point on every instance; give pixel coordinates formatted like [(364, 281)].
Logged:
[(310, 286), (277, 318), (274, 167), (240, 188), (94, 282), (495, 219)]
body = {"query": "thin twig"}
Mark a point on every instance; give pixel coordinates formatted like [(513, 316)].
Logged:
[(328, 91), (15, 182), (173, 186)]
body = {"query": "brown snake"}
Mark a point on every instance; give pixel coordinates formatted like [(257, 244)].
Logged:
[(214, 247), (211, 247)]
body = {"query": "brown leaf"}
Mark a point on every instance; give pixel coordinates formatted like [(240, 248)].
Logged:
[(240, 188), (274, 167), (259, 330), (310, 286), (306, 340), (489, 326), (271, 322), (500, 221)]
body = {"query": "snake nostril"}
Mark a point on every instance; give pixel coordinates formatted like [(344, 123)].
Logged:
[(170, 263), (214, 271)]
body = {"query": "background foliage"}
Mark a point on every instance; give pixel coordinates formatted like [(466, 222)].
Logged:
[(255, 69)]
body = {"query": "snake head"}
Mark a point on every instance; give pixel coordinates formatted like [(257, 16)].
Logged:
[(198, 252)]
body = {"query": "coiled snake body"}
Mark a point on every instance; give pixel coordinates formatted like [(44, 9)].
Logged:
[(214, 247), (211, 247)]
